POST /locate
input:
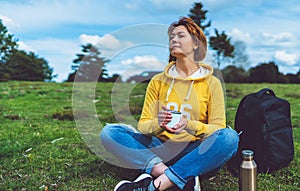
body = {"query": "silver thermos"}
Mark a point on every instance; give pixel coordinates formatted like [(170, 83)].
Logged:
[(248, 172)]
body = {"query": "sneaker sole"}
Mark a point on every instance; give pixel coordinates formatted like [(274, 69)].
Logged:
[(120, 183), (197, 186), (141, 177)]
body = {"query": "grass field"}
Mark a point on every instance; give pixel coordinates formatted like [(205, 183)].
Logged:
[(43, 148)]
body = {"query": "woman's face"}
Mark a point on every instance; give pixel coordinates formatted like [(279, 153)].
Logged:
[(181, 43)]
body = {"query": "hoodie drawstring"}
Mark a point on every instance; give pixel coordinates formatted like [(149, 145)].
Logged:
[(189, 92), (171, 87)]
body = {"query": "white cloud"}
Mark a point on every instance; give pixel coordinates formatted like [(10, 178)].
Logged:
[(288, 69), (145, 62), (92, 39), (285, 39), (278, 37), (108, 44), (238, 35), (138, 64), (24, 46), (8, 22), (287, 58)]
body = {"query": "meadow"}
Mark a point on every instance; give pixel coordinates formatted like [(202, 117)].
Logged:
[(42, 147)]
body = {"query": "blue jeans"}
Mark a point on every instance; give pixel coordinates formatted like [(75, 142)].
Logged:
[(184, 160)]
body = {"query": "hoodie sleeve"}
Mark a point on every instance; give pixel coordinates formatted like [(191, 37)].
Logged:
[(215, 112), (148, 123)]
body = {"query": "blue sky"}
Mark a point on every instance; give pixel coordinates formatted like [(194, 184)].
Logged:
[(132, 34)]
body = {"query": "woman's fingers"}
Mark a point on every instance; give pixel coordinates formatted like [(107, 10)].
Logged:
[(164, 117), (169, 129)]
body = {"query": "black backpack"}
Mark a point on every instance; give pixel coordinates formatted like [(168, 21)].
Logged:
[(263, 123)]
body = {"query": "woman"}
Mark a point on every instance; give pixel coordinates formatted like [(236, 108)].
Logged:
[(173, 157)]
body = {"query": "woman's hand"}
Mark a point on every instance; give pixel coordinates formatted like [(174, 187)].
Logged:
[(165, 116), (180, 126)]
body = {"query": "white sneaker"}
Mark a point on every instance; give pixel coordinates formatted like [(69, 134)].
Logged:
[(193, 185), (197, 186), (141, 183)]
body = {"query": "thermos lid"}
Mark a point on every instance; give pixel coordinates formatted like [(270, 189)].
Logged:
[(247, 154), (174, 112)]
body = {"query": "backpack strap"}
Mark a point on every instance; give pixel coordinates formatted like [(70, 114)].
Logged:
[(265, 91)]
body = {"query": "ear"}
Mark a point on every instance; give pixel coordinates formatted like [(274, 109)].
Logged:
[(196, 46)]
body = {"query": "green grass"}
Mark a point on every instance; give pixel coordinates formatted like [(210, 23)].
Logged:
[(42, 148)]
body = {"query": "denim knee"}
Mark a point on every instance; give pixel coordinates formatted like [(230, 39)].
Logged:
[(108, 132), (231, 138), (113, 131), (105, 134)]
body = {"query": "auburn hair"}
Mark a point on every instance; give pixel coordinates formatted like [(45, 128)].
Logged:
[(197, 34)]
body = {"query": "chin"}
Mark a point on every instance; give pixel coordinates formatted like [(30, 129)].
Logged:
[(176, 54)]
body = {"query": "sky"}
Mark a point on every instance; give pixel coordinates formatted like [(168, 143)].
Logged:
[(132, 34)]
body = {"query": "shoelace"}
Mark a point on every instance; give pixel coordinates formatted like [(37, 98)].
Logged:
[(141, 186), (144, 187), (141, 189)]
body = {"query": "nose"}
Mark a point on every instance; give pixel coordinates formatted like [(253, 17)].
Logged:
[(174, 39)]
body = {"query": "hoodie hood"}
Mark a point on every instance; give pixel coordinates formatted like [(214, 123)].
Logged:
[(204, 71)]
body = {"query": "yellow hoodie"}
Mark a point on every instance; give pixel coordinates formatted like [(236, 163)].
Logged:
[(199, 98)]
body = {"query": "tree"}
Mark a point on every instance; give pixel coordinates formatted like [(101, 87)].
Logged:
[(240, 57), (115, 78), (7, 43), (89, 65), (26, 66), (19, 65), (233, 74), (292, 78), (221, 44), (266, 72), (199, 16)]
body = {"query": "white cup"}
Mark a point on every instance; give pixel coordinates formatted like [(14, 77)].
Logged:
[(175, 118)]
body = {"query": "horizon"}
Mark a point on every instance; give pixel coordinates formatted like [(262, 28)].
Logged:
[(56, 30)]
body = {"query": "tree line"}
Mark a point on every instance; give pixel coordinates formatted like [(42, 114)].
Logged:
[(262, 73), (18, 64), (90, 65), (224, 50)]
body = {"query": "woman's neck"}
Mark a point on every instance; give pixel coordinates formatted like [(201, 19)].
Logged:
[(186, 67)]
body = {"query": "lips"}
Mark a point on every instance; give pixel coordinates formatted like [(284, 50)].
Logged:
[(173, 47)]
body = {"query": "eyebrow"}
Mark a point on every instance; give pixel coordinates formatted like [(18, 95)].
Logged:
[(180, 32)]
